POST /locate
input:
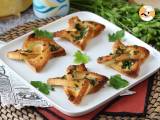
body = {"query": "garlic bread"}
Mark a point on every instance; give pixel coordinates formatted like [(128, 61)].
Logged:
[(78, 82), (80, 32), (125, 59), (37, 51)]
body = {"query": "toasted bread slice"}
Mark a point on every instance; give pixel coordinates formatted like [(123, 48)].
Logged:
[(76, 94), (37, 63), (133, 52), (75, 37), (21, 54), (62, 81), (40, 44), (138, 52), (77, 68), (80, 32), (75, 22), (36, 52), (86, 82), (130, 71), (79, 82), (125, 59)]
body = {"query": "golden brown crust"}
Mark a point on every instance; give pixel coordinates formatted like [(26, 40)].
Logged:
[(78, 82), (77, 68), (36, 52), (100, 81), (21, 54), (133, 55), (70, 36), (44, 43), (38, 63), (80, 32), (133, 71), (143, 52), (97, 27), (78, 91)]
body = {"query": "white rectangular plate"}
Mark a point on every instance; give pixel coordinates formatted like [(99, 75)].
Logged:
[(99, 46)]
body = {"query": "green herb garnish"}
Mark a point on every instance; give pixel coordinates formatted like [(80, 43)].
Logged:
[(135, 52), (116, 36), (110, 53), (42, 87), (80, 58), (53, 47), (78, 27), (127, 64), (92, 82), (64, 77), (82, 33), (117, 82), (42, 33), (120, 51)]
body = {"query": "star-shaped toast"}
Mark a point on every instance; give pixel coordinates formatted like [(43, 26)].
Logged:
[(80, 32), (78, 82), (37, 51), (125, 59)]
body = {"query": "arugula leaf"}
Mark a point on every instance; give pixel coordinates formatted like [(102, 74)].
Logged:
[(80, 58), (116, 36), (42, 33), (117, 82), (42, 87)]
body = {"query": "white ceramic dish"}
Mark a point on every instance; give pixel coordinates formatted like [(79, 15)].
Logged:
[(97, 47)]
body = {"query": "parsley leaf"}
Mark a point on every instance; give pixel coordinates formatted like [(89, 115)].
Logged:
[(80, 58), (126, 64), (117, 82), (42, 87), (82, 33), (42, 33), (116, 36), (36, 84)]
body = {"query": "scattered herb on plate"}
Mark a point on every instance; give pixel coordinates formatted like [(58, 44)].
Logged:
[(80, 57), (42, 87), (42, 33), (117, 82), (116, 36)]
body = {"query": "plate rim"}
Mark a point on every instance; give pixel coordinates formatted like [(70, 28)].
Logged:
[(57, 106)]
